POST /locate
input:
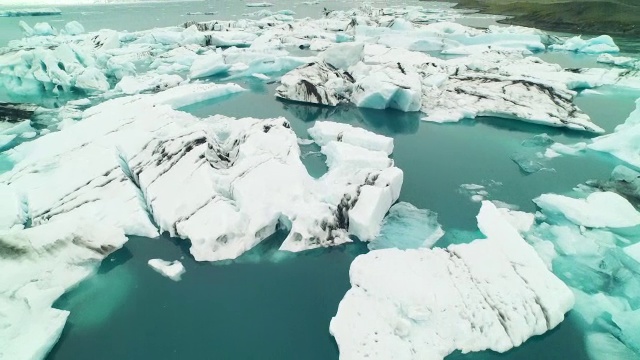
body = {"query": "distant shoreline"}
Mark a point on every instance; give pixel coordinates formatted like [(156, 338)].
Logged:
[(593, 17)]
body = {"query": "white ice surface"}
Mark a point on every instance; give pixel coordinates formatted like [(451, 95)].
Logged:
[(493, 293), (597, 210), (171, 269)]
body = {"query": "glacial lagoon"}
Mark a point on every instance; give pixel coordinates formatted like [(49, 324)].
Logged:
[(271, 304)]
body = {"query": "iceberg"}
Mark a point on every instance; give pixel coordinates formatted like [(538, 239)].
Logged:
[(39, 264), (598, 210), (30, 12), (622, 61), (589, 244), (324, 132), (493, 293), (259, 4), (170, 269), (600, 44), (155, 169), (624, 142)]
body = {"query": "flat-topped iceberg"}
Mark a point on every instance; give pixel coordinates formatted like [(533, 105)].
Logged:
[(225, 184), (493, 293), (30, 12)]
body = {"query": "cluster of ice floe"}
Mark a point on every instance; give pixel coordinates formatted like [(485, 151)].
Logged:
[(493, 293), (597, 45), (590, 240), (384, 66), (535, 154), (154, 165)]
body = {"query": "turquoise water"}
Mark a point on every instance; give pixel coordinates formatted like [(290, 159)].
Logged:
[(272, 305)]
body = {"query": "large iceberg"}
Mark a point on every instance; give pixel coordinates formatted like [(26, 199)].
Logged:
[(493, 293), (488, 84), (157, 169)]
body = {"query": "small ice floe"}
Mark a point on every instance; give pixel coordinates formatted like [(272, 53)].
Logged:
[(171, 269)]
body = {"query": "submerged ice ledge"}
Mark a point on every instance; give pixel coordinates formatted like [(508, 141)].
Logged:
[(493, 293)]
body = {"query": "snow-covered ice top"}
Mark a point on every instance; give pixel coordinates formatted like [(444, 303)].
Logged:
[(493, 293)]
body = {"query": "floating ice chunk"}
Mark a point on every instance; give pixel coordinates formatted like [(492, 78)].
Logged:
[(344, 55), (373, 203), (73, 28), (324, 132), (259, 4), (30, 12), (39, 264), (573, 149), (260, 76), (600, 44), (599, 209), (622, 61), (171, 269), (43, 29), (131, 85), (387, 86), (493, 294), (407, 227), (208, 65)]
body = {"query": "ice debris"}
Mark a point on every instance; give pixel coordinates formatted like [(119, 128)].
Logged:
[(171, 269), (622, 61), (493, 293)]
